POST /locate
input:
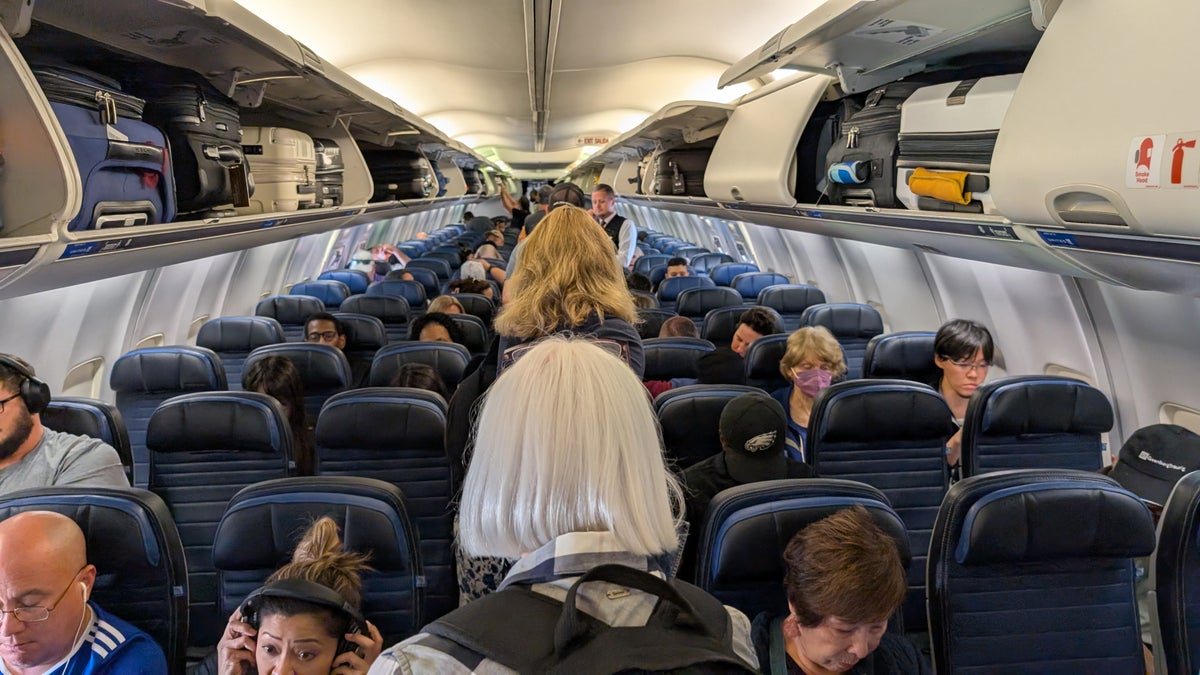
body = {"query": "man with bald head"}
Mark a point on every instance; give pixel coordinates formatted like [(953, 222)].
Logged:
[(48, 626)]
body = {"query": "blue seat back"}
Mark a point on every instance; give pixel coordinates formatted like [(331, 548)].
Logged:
[(763, 517), (449, 359), (1032, 571), (263, 522), (365, 335), (93, 418), (890, 434), (1033, 422), (412, 292), (902, 356), (668, 358), (790, 301), (696, 303), (408, 452), (474, 332), (1176, 571), (450, 257), (652, 321), (649, 298), (291, 311), (144, 378), (704, 262), (392, 311), (204, 448), (141, 574), (429, 280), (690, 418), (720, 324), (750, 284), (724, 274), (355, 280), (439, 266), (330, 293), (656, 275), (762, 362), (669, 289), (852, 324), (233, 338), (648, 262), (479, 306), (689, 251), (324, 370)]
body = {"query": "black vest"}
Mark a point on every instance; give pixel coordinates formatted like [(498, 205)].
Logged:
[(613, 230)]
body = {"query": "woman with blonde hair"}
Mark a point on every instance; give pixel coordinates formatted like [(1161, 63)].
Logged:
[(812, 361), (568, 280)]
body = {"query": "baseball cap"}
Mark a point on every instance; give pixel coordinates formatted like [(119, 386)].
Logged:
[(754, 432), (1154, 458), (566, 193)]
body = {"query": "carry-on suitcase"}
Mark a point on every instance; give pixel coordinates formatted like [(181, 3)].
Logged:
[(283, 164), (861, 164), (330, 172), (474, 181), (947, 135), (399, 174), (205, 131), (680, 172), (123, 162)]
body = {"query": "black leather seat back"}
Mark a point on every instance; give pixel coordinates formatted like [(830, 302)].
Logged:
[(259, 530), (853, 325), (1034, 422), (233, 338), (439, 266), (644, 264), (331, 293), (652, 321), (1176, 576), (762, 362), (690, 418), (291, 311), (1032, 571), (695, 303), (355, 280), (365, 335), (902, 356), (479, 306), (324, 370), (474, 332), (391, 310), (449, 359), (411, 292), (668, 358), (790, 301), (720, 324), (93, 418)]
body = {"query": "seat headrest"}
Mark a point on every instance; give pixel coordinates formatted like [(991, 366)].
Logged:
[(289, 310), (763, 356), (752, 284), (1053, 520), (350, 420), (167, 369), (386, 308), (724, 273), (330, 293), (1039, 405), (411, 291), (320, 366), (449, 359), (668, 358), (861, 411), (355, 280), (86, 417), (239, 333), (699, 301), (363, 332), (846, 320), (791, 299), (906, 356), (228, 421), (670, 289)]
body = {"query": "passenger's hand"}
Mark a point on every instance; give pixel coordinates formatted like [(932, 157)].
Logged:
[(350, 663), (235, 651), (955, 446)]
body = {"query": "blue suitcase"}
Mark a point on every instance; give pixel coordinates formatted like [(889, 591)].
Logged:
[(123, 162)]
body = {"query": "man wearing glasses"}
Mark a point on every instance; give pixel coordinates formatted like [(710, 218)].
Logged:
[(47, 624), (324, 328), (32, 456)]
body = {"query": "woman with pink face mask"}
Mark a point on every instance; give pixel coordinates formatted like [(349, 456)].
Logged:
[(812, 361)]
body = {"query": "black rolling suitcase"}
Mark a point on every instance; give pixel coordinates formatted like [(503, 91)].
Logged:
[(862, 162), (474, 181), (681, 172), (399, 174), (330, 171), (205, 131)]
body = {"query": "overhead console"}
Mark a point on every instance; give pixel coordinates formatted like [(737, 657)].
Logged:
[(141, 134)]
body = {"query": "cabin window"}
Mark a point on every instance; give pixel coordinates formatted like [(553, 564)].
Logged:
[(85, 379), (1173, 413)]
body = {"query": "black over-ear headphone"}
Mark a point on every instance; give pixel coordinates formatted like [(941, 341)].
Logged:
[(33, 391), (305, 591)]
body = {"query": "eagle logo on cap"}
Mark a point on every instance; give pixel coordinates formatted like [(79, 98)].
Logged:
[(761, 442)]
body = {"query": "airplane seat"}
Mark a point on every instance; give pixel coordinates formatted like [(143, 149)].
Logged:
[(890, 434), (762, 362), (324, 370), (790, 301), (291, 311), (365, 335), (852, 324), (763, 517), (204, 448), (411, 251), (690, 418), (1174, 569), (391, 310), (259, 529), (144, 378), (408, 452), (724, 274), (447, 358), (412, 292), (429, 280), (651, 321), (696, 303), (440, 267), (233, 338), (668, 358), (669, 289), (480, 306), (750, 284), (475, 333), (141, 574), (451, 257), (355, 280), (689, 251), (92, 418), (1034, 422), (670, 245), (720, 324), (907, 355), (1033, 571), (330, 293), (656, 275), (704, 262), (648, 250), (647, 296)]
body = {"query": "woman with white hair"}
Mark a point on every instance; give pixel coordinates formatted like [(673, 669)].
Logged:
[(567, 474)]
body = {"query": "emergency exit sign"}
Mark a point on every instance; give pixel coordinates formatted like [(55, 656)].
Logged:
[(592, 140)]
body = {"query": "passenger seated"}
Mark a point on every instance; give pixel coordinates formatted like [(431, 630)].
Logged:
[(399, 275), (844, 579), (420, 376), (446, 304), (963, 352), (678, 326), (754, 323), (563, 494), (812, 360), (277, 377), (32, 456), (436, 327), (305, 617), (720, 366), (678, 267), (638, 282), (48, 624), (324, 328), (477, 286)]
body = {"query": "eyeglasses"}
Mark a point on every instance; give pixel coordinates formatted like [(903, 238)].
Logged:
[(968, 366), (38, 613), (327, 336), (3, 401), (514, 354)]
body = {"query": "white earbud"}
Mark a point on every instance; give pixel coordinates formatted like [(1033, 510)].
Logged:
[(83, 587)]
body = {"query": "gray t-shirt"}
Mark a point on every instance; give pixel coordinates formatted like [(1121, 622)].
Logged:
[(65, 459)]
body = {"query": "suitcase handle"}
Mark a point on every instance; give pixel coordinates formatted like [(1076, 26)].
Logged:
[(1083, 205)]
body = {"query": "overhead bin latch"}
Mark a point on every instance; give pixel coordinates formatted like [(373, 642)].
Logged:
[(1042, 11), (854, 80), (16, 16)]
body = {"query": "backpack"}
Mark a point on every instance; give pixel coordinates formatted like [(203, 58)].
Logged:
[(689, 631)]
